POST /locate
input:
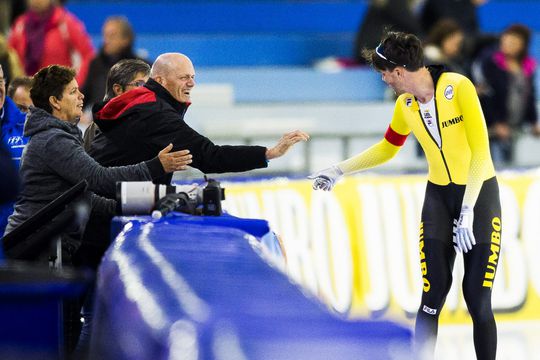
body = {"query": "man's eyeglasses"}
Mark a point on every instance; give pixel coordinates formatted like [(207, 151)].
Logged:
[(137, 83), (379, 52)]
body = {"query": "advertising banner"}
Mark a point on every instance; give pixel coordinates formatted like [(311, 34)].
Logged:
[(357, 247)]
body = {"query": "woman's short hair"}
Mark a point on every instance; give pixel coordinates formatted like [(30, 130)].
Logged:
[(50, 81), (396, 49)]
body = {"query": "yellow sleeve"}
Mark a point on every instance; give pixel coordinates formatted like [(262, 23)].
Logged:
[(481, 166), (382, 151), (375, 155)]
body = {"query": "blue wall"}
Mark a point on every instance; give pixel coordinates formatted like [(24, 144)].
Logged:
[(260, 33), (201, 17)]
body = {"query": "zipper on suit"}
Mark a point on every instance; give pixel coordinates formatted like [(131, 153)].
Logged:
[(433, 139)]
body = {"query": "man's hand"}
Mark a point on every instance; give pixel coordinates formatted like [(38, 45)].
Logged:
[(463, 236), (174, 161), (285, 143), (326, 179)]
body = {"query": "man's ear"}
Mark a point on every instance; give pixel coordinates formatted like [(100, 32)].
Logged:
[(117, 89), (55, 103), (159, 80)]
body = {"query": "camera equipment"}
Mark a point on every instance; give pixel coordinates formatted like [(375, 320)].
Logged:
[(213, 193), (142, 197), (175, 201)]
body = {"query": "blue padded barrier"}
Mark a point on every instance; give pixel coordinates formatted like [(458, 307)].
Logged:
[(256, 227), (174, 285)]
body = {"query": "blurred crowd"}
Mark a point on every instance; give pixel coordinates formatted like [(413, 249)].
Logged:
[(37, 33), (500, 65)]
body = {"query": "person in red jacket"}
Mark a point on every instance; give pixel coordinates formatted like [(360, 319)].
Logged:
[(48, 34)]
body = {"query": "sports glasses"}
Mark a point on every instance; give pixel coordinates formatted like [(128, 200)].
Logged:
[(137, 83)]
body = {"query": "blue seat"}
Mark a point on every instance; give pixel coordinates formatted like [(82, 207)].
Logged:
[(297, 84)]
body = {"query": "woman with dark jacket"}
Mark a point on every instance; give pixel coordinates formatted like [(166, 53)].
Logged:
[(505, 79)]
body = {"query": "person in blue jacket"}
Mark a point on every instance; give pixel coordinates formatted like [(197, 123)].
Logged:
[(11, 133)]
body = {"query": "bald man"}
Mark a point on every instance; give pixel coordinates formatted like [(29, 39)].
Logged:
[(136, 123)]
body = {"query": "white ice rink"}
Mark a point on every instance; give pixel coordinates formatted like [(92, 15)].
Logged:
[(517, 341)]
